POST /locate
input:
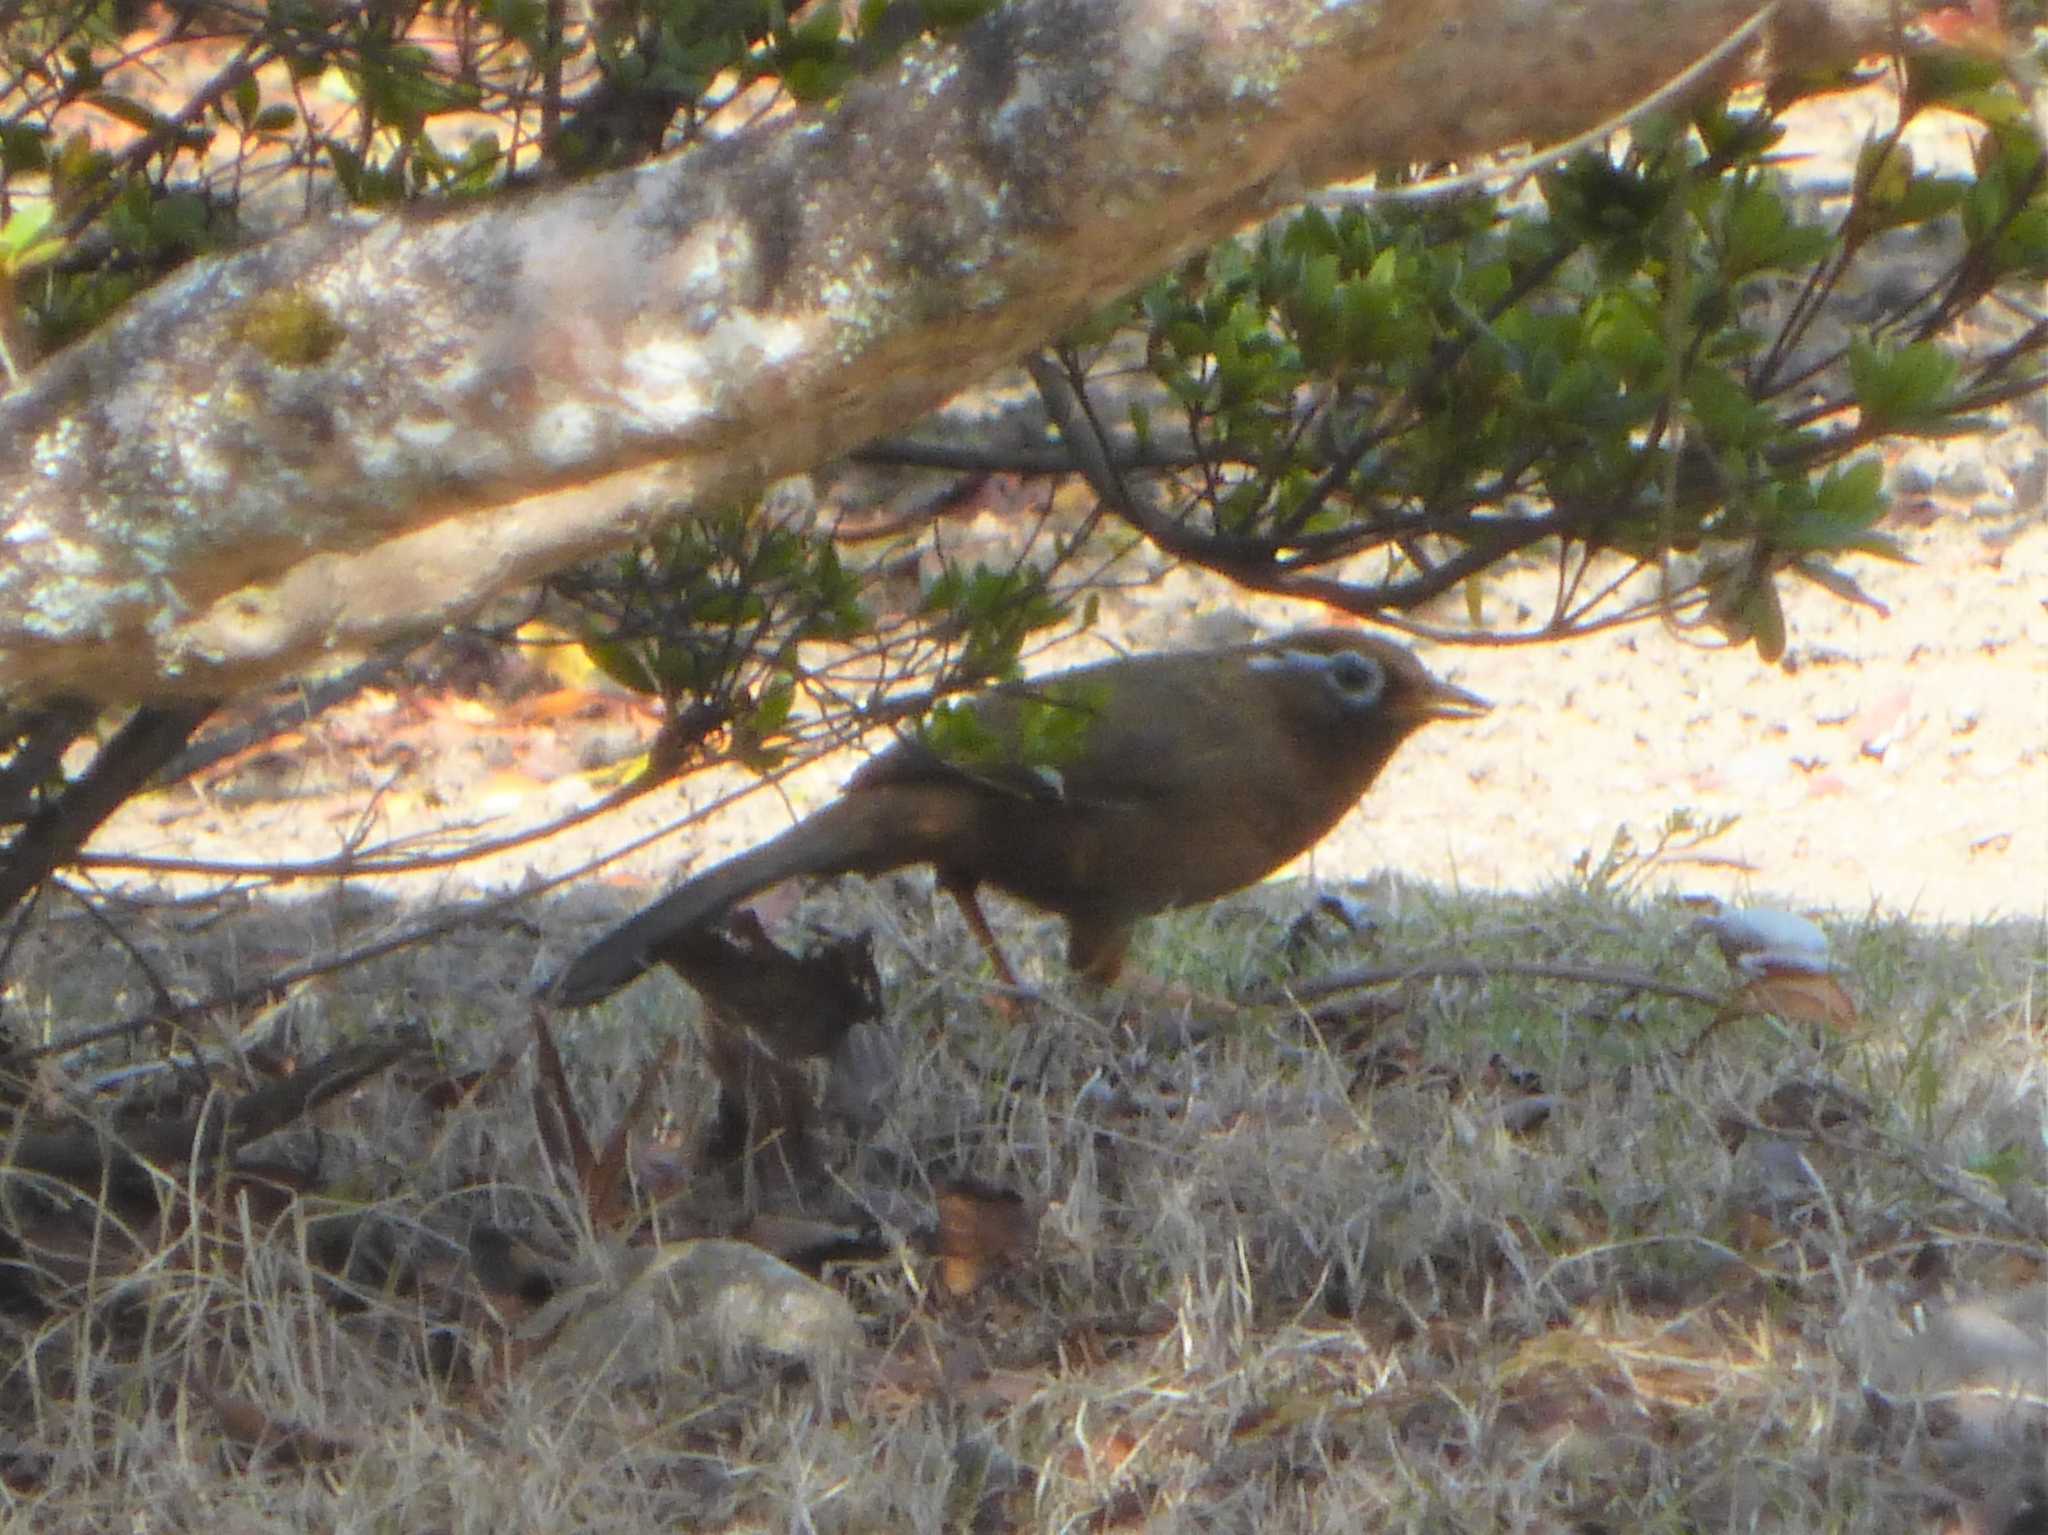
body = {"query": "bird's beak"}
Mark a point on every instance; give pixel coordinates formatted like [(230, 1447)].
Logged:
[(1444, 702)]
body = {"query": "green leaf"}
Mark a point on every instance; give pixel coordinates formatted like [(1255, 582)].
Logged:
[(1720, 403), (1902, 389), (755, 728), (948, 15), (22, 241), (1625, 329), (1764, 614), (1962, 82), (2022, 247), (24, 148), (1939, 74), (1760, 235), (1729, 135), (1845, 505), (622, 663)]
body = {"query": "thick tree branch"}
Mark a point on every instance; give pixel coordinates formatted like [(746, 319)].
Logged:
[(365, 427)]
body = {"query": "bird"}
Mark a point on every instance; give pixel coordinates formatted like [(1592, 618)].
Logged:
[(1102, 795)]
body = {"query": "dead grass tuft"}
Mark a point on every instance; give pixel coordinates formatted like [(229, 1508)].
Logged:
[(1494, 1253)]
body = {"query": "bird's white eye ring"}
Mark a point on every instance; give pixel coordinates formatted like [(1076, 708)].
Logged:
[(1358, 677)]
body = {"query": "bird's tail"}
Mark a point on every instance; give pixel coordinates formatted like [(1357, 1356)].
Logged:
[(844, 837)]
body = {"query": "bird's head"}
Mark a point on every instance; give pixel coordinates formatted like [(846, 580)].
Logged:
[(1345, 685)]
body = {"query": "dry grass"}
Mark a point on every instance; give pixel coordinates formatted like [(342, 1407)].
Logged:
[(1287, 1276)]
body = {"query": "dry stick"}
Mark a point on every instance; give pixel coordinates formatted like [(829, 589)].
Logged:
[(88, 1155), (1519, 170), (601, 1194), (99, 919), (153, 735), (353, 865), (313, 701), (555, 1115), (1479, 970), (1894, 1149), (956, 498), (274, 988), (40, 736)]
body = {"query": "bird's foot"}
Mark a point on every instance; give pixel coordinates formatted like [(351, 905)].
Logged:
[(1015, 1003)]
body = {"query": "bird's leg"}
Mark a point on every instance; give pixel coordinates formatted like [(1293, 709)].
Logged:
[(962, 891), (1096, 949)]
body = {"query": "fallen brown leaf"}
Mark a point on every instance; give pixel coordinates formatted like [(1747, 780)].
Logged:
[(981, 1230)]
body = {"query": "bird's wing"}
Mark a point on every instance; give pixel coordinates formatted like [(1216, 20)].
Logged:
[(912, 762), (1084, 738)]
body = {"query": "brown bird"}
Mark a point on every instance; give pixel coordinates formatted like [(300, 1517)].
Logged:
[(1192, 774)]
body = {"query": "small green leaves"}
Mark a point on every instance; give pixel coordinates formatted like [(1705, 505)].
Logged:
[(815, 60), (958, 733), (1759, 234), (993, 612), (1908, 389), (150, 121), (1743, 601), (243, 106), (1653, 360), (1961, 81), (624, 663), (812, 59), (709, 616), (1624, 329), (1891, 194), (24, 240), (1836, 515), (1731, 417), (1040, 730), (368, 182), (24, 147), (755, 730), (398, 87), (1728, 135), (1610, 208)]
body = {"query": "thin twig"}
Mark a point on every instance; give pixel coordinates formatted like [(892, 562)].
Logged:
[(275, 987), (313, 700), (1521, 169), (51, 838), (1479, 970)]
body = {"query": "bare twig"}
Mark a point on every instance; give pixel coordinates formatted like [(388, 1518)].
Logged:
[(152, 736), (314, 700), (93, 1154), (1480, 970)]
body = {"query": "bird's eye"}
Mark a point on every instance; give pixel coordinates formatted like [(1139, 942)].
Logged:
[(1359, 678)]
